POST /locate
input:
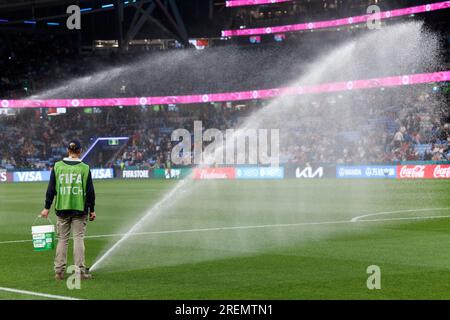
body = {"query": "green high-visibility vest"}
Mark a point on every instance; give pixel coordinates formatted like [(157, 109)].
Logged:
[(71, 182)]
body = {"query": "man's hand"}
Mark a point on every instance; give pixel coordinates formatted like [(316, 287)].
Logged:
[(92, 216), (44, 213)]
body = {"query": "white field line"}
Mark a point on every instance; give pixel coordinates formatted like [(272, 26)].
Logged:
[(398, 211), (39, 294), (353, 220)]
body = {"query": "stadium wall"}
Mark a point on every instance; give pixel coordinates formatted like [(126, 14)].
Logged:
[(290, 171)]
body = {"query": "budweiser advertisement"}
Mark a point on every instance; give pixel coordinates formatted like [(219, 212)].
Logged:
[(214, 173), (440, 171)]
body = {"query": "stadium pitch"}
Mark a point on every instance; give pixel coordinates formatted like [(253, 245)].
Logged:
[(286, 239)]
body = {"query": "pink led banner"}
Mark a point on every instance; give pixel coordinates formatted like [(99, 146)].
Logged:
[(339, 22), (240, 3), (233, 96)]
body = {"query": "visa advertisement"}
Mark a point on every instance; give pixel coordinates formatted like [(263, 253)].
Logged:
[(36, 176), (98, 174), (5, 176), (367, 172), (31, 176)]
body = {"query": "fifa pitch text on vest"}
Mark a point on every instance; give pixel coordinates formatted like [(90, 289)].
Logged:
[(70, 178)]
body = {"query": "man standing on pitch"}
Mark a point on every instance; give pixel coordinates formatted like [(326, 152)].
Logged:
[(71, 183)]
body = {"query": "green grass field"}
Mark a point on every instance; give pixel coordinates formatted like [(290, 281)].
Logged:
[(294, 241)]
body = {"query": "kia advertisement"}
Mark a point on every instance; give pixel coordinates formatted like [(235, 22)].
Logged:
[(309, 171), (367, 172), (5, 176), (214, 173), (259, 173), (440, 171)]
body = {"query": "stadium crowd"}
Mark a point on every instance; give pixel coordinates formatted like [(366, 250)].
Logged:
[(51, 60), (26, 73), (381, 134), (389, 132), (372, 130)]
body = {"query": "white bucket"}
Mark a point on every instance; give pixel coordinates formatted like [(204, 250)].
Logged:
[(43, 237)]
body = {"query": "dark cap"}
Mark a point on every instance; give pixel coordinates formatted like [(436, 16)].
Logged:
[(74, 145)]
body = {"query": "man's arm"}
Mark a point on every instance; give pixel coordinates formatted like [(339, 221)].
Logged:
[(90, 197), (50, 194)]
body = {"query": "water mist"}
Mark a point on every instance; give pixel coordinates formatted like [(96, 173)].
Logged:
[(190, 223)]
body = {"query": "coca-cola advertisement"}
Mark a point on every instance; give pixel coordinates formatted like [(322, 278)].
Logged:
[(440, 171), (214, 173)]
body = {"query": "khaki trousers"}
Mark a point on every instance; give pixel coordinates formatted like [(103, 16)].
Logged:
[(64, 225)]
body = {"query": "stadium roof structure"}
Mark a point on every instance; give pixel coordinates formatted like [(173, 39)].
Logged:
[(162, 15), (7, 4)]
